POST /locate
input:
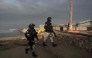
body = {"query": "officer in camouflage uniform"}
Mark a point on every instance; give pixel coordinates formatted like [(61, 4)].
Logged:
[(49, 33), (30, 34)]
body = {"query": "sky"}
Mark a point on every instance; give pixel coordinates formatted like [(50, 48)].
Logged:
[(20, 13)]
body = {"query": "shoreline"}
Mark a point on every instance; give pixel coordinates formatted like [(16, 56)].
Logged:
[(13, 37)]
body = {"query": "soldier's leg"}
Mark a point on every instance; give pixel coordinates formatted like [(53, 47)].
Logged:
[(51, 38), (31, 44), (33, 50), (27, 48), (45, 37)]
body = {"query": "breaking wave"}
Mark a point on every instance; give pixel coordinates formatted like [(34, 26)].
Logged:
[(12, 29), (8, 31)]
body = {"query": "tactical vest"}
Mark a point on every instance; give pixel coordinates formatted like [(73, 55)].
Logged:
[(48, 27)]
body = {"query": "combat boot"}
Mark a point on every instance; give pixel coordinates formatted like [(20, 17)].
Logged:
[(26, 50), (33, 54), (53, 44), (44, 44)]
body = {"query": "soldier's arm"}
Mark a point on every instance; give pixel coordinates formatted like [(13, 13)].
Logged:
[(27, 35), (36, 34), (45, 26), (27, 32), (53, 30), (54, 34)]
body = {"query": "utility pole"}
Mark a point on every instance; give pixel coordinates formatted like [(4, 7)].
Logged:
[(70, 18)]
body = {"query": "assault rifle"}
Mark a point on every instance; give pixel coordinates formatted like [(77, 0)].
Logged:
[(55, 35)]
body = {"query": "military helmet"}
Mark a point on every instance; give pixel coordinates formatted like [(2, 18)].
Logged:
[(31, 25), (49, 19)]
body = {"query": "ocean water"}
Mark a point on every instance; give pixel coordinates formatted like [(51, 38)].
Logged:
[(10, 33)]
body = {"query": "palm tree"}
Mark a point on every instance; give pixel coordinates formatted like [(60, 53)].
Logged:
[(70, 19)]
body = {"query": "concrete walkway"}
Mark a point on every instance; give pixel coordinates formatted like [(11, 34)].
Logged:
[(16, 49)]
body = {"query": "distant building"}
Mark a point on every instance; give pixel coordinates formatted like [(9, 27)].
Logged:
[(87, 23), (84, 25)]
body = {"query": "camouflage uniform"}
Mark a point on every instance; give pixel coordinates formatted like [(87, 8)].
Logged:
[(48, 32)]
